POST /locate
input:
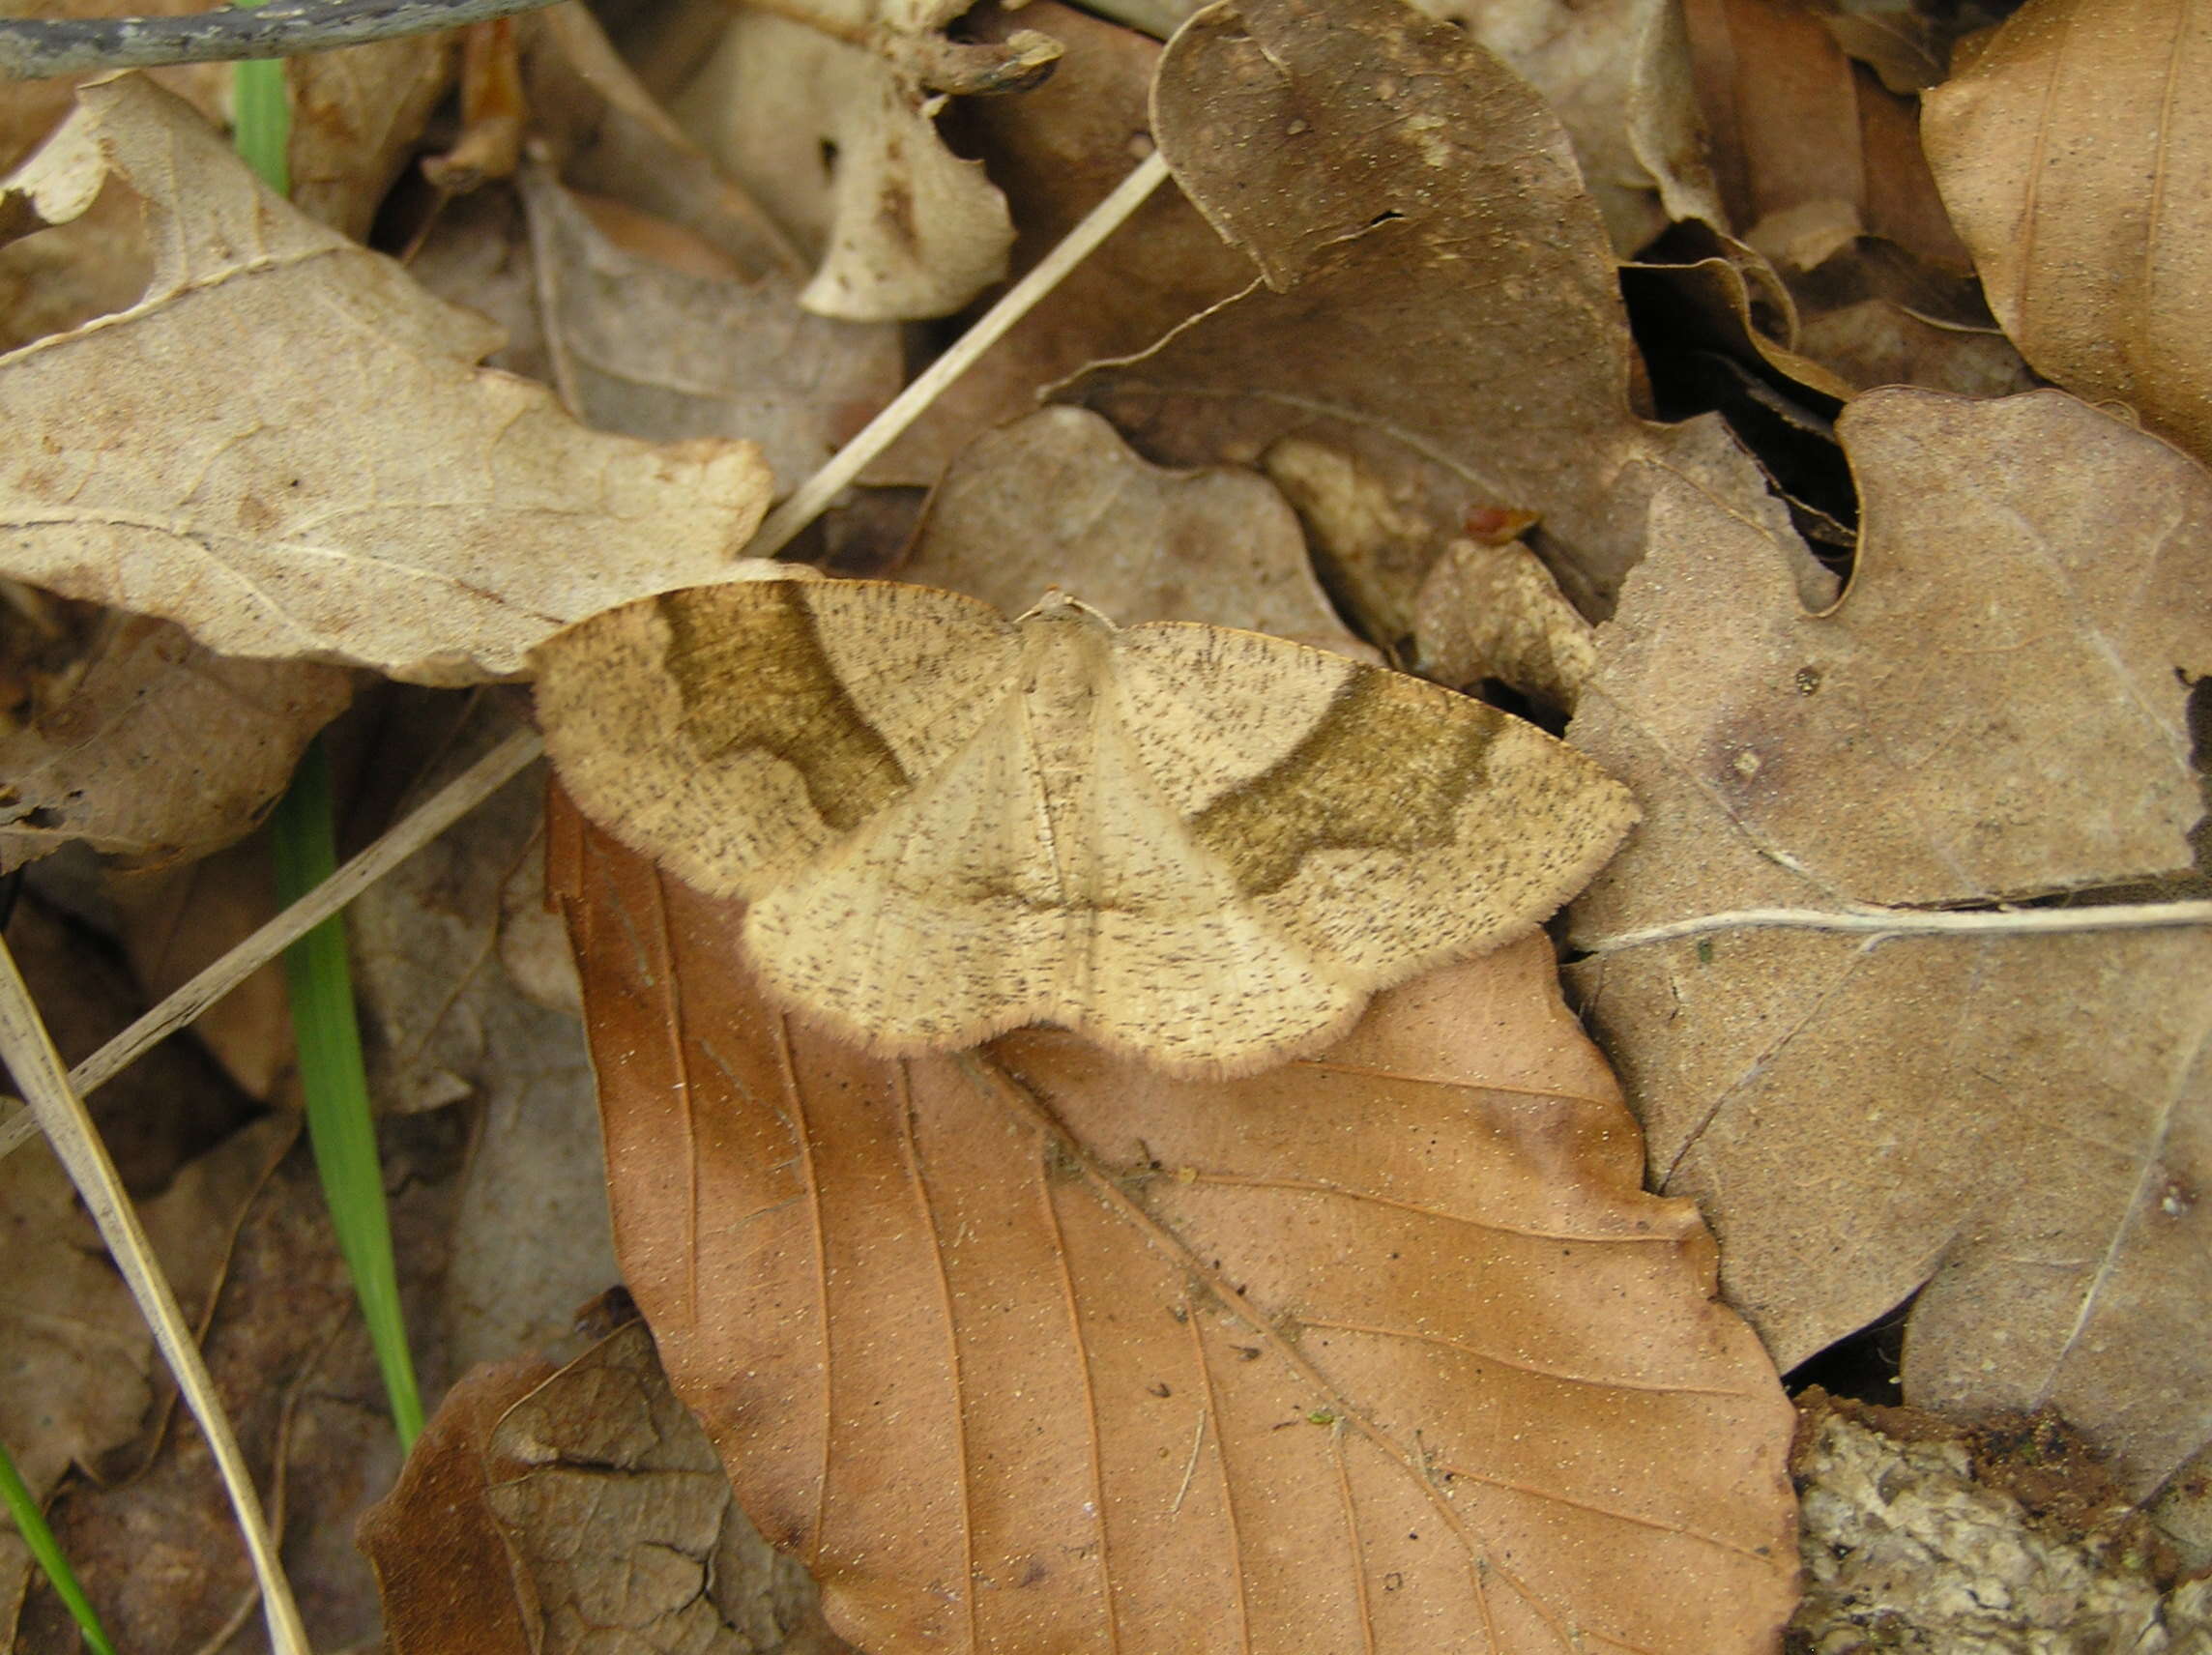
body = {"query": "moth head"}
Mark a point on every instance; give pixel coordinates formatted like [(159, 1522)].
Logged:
[(1059, 605)]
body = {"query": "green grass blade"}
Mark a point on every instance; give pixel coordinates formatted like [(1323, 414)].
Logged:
[(320, 984), (339, 1125), (31, 1524), (262, 117)]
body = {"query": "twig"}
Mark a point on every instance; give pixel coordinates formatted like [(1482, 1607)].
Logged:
[(61, 1114), (812, 497), (1915, 922), (454, 800), (35, 48)]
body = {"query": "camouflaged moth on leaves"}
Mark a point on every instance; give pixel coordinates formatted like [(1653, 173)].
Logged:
[(1201, 847)]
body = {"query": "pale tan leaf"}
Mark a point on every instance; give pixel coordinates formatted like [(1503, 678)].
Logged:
[(1796, 128), (1490, 610), (283, 444), (1030, 1350), (163, 751), (1057, 499), (2014, 1127), (2075, 156), (1441, 295)]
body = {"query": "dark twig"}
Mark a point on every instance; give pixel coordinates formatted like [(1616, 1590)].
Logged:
[(33, 48)]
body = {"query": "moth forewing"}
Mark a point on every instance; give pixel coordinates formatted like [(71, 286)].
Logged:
[(1203, 847)]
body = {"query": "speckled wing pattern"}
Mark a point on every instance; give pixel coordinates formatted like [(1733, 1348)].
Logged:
[(1203, 847)]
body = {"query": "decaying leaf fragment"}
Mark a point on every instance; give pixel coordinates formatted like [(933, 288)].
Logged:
[(1201, 847), (1913, 1539), (556, 1509), (284, 446), (827, 111), (2076, 157), (1439, 295), (1491, 610), (2018, 1128), (1032, 1352)]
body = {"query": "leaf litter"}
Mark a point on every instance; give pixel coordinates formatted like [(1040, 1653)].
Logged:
[(1900, 1033)]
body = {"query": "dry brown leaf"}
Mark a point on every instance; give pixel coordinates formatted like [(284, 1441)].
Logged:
[(2017, 1127), (445, 1577), (1057, 499), (347, 487), (1617, 74), (1867, 317), (2077, 157), (176, 922), (356, 113), (558, 1510), (164, 750), (609, 136), (1442, 297), (1057, 152), (1030, 1350), (1897, 38), (646, 347), (826, 111)]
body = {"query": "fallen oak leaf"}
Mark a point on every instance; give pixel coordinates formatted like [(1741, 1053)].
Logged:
[(440, 522), (1204, 847), (2011, 1126), (1031, 1352)]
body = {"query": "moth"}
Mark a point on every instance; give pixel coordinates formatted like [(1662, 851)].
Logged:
[(1202, 847)]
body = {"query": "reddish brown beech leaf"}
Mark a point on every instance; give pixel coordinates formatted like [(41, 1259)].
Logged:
[(1031, 1350), (1439, 295)]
